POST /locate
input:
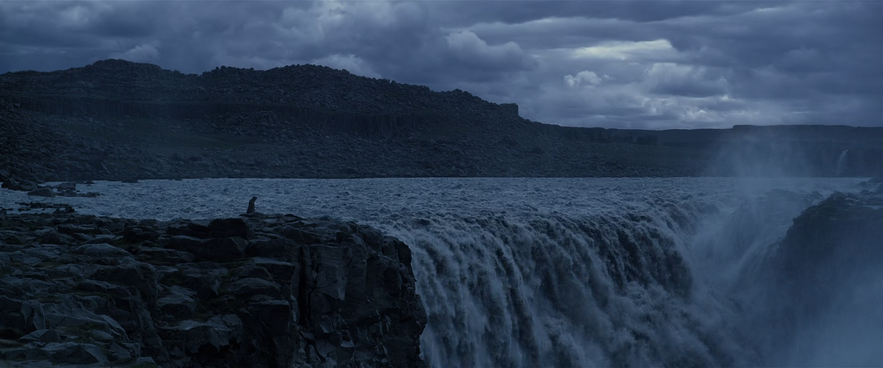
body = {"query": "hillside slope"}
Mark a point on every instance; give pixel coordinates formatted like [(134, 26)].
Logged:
[(121, 120)]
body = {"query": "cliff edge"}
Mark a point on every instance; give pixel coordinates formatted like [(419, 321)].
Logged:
[(256, 291)]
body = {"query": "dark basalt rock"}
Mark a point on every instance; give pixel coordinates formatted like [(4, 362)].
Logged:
[(42, 192), (146, 294), (831, 249), (222, 228), (844, 229)]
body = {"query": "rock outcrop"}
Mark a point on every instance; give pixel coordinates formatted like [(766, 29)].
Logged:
[(826, 268), (118, 120), (255, 291), (829, 244)]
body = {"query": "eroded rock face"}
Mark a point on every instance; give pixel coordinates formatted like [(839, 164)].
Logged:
[(257, 291), (837, 239), (820, 280)]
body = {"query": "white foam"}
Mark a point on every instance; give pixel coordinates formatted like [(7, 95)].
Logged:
[(530, 272)]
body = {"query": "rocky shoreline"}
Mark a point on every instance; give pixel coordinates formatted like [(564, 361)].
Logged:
[(257, 290)]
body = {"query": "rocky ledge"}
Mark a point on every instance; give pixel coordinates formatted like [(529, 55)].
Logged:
[(253, 291), (833, 243), (824, 269)]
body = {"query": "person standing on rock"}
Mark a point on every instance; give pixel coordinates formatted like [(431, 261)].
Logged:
[(251, 205)]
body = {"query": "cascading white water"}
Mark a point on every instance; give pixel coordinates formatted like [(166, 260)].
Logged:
[(558, 291), (841, 163), (548, 272)]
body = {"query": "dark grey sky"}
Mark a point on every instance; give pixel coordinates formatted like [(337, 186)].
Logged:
[(628, 64)]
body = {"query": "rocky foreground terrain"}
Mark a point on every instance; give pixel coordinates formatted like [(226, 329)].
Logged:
[(118, 120), (252, 291)]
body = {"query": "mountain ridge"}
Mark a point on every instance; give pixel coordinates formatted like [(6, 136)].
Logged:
[(119, 120), (305, 86)]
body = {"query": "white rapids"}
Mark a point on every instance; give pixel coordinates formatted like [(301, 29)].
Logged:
[(524, 272)]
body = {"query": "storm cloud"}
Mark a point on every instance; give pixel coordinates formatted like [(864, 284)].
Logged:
[(625, 64)]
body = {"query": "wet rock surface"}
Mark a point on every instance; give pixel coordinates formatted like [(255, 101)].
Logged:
[(256, 291), (838, 239), (826, 268)]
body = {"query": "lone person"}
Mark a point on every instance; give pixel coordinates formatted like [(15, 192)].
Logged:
[(251, 205)]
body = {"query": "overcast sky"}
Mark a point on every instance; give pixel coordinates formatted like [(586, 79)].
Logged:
[(625, 64)]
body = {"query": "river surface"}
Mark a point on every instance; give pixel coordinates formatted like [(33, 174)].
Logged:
[(524, 272)]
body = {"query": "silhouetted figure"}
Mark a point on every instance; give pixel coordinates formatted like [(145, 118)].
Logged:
[(251, 205)]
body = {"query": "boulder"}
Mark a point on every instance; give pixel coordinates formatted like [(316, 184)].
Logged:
[(230, 227), (22, 185), (185, 243), (251, 270), (279, 270), (137, 234), (104, 288), (168, 255), (53, 237), (304, 236), (179, 303), (142, 276), (224, 249), (276, 314), (42, 335), (251, 286), (101, 250), (284, 249), (67, 186), (208, 341), (42, 192), (205, 281), (60, 353)]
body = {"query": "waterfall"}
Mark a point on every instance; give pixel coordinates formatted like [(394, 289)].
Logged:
[(566, 291), (665, 287), (577, 272), (841, 163)]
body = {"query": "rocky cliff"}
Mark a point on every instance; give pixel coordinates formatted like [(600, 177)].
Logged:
[(314, 96), (110, 87), (119, 120), (831, 244), (252, 291), (819, 287)]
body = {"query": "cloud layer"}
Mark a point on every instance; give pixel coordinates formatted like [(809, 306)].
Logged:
[(626, 64)]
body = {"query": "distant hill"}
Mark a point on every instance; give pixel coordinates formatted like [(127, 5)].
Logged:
[(116, 119)]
